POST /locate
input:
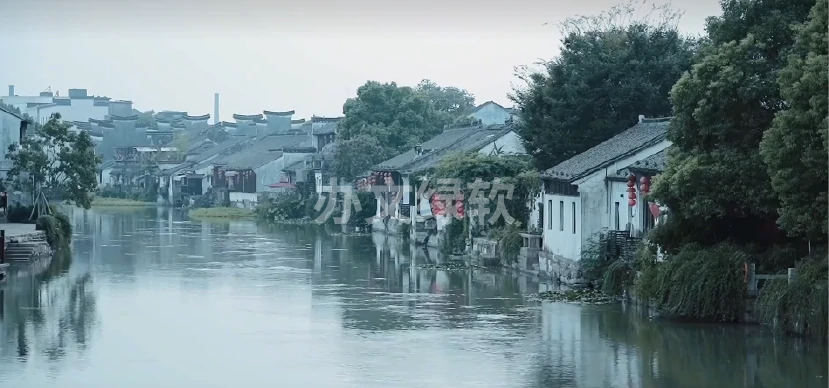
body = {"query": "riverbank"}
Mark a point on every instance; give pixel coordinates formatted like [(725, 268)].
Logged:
[(119, 202), (230, 213)]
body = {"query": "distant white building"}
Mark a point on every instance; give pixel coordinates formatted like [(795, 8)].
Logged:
[(13, 128), (78, 105), (492, 113)]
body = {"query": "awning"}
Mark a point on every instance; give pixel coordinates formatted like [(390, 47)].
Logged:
[(282, 185)]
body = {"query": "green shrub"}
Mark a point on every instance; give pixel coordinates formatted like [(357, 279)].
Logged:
[(65, 225), (18, 213), (454, 238), (509, 241), (51, 227), (799, 307), (702, 284)]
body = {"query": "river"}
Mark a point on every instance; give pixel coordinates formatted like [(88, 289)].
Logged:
[(150, 299)]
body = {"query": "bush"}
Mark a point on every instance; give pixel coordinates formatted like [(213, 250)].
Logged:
[(702, 284), (203, 201), (454, 238), (799, 307), (52, 228), (509, 241), (65, 225), (18, 213), (286, 208)]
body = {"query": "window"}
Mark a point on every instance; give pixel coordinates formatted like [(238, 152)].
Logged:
[(574, 218), (561, 216), (616, 215), (550, 215)]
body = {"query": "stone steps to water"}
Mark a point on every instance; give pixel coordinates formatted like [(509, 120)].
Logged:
[(31, 247)]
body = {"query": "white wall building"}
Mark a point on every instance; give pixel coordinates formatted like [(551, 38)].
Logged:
[(13, 127), (78, 105), (585, 195), (491, 113), (490, 140)]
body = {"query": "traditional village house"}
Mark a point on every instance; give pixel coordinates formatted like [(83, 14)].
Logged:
[(195, 123), (312, 173), (585, 195), (487, 139), (135, 168), (254, 169), (491, 113), (246, 124), (194, 176)]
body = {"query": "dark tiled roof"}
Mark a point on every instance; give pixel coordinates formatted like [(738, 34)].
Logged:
[(120, 118), (654, 163), (178, 125), (640, 136), (247, 117), (11, 112), (321, 119), (275, 113), (261, 151), (451, 140), (300, 121), (196, 118)]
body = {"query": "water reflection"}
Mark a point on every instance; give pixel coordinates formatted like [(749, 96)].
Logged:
[(46, 312), (173, 302)]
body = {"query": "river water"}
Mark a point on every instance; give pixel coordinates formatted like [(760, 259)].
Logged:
[(150, 299)]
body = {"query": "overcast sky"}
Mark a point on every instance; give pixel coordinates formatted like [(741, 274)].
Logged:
[(281, 55)]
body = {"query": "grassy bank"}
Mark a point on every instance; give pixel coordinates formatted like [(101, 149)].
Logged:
[(234, 213), (118, 202)]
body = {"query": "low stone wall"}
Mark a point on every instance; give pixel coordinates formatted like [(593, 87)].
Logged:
[(560, 268)]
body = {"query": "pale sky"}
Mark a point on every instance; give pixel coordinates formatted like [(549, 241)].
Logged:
[(307, 56)]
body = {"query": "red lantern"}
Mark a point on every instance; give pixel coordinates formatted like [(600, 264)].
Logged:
[(632, 202), (645, 188), (631, 178), (631, 190), (631, 195), (631, 184), (644, 180)]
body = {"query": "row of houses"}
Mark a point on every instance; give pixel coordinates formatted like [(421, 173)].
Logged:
[(599, 190), (257, 154)]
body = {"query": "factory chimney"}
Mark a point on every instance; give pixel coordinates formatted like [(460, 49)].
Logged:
[(11, 90), (216, 109)]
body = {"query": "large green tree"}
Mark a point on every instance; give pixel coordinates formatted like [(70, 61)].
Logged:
[(716, 183), (399, 117), (795, 148), (55, 160), (612, 68), (356, 156)]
